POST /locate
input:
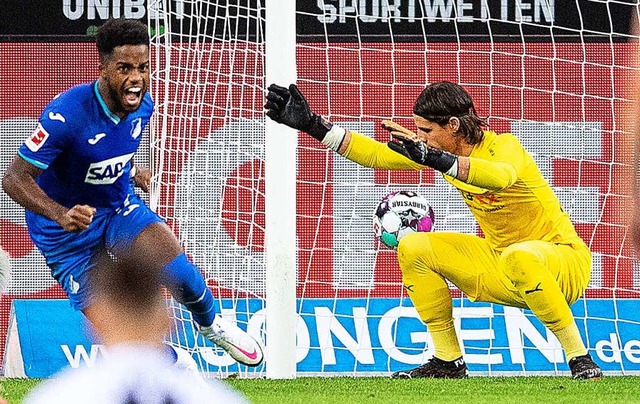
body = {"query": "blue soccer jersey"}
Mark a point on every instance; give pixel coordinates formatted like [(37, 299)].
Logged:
[(85, 152), (84, 149)]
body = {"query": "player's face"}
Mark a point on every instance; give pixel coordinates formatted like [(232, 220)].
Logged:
[(439, 137), (126, 73)]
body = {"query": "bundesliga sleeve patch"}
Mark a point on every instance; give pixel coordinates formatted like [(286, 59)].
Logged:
[(37, 139)]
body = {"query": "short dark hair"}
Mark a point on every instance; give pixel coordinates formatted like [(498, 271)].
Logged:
[(441, 101), (126, 282), (118, 32)]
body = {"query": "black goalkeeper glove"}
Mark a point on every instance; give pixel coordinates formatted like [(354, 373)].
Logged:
[(402, 142), (289, 107)]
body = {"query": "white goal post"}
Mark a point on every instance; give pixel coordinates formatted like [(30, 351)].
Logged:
[(280, 185), (281, 227)]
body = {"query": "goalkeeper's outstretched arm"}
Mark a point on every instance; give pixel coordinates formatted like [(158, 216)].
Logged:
[(406, 151), (289, 107)]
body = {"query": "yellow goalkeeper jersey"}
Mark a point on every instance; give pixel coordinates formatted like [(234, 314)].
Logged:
[(505, 190)]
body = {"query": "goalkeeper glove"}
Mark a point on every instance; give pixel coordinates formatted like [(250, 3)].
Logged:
[(406, 143), (289, 107)]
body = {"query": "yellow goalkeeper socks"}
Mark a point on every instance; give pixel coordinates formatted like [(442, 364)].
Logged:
[(445, 342), (571, 341), (549, 305), (544, 297)]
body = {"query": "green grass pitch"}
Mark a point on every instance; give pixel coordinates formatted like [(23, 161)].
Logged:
[(475, 390)]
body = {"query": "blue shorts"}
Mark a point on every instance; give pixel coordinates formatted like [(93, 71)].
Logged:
[(70, 255)]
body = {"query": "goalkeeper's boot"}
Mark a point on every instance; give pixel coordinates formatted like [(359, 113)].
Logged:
[(584, 368), (237, 343), (437, 369)]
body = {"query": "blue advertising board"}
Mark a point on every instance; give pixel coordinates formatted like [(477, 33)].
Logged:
[(45, 336), (360, 336)]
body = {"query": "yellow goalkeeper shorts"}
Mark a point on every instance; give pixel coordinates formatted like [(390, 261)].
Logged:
[(470, 263)]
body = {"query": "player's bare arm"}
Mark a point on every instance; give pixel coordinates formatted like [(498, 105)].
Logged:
[(20, 185)]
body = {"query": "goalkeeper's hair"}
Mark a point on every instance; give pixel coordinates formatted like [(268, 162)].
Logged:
[(441, 101), (119, 32)]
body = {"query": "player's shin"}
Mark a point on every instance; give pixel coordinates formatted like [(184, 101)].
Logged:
[(543, 296), (186, 284), (430, 296), (546, 300), (434, 307)]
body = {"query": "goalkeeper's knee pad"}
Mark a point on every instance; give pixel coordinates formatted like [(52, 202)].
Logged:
[(521, 265), (415, 247)]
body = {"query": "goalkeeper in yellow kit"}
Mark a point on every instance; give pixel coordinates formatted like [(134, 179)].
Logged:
[(531, 256)]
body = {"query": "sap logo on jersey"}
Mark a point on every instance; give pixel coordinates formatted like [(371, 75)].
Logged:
[(37, 139), (107, 171)]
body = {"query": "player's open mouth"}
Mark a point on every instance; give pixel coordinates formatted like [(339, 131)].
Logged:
[(132, 96)]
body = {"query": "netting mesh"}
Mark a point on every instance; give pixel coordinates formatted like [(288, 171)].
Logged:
[(208, 153), (563, 91), (567, 115)]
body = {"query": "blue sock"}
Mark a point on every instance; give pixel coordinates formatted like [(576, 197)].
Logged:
[(186, 284)]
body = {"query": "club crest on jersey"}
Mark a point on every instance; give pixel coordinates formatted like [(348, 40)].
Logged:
[(136, 128), (37, 139), (107, 171)]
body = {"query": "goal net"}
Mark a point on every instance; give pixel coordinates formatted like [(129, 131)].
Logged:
[(556, 76)]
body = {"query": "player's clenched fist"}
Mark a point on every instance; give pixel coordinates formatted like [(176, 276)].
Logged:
[(142, 178), (77, 218)]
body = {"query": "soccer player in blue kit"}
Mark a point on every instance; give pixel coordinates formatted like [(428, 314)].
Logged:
[(75, 174)]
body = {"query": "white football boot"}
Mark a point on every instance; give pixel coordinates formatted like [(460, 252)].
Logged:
[(237, 343)]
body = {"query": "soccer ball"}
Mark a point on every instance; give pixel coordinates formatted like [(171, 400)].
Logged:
[(400, 213)]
